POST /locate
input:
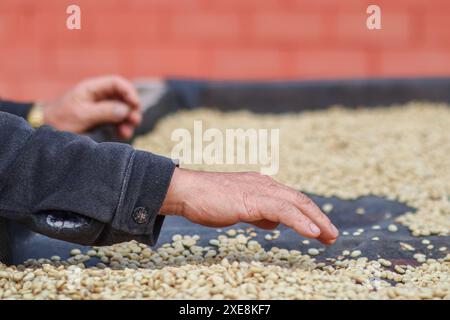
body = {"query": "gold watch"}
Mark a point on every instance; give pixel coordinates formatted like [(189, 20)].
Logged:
[(36, 116)]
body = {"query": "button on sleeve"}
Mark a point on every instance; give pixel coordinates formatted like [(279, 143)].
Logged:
[(144, 189)]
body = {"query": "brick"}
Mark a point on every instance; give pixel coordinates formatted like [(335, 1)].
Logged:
[(79, 63), (9, 88), (98, 26), (329, 63), (49, 30), (110, 31), (33, 87), (351, 30), (204, 27), (44, 88), (15, 28), (17, 6), (436, 29), (415, 63), (423, 5), (85, 5), (287, 28), (20, 61), (58, 6), (165, 61), (245, 5), (246, 64), (172, 5), (361, 5), (123, 29), (325, 4)]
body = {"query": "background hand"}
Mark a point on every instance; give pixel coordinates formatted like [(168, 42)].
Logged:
[(222, 199), (96, 101)]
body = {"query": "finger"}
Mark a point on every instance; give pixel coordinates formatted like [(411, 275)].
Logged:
[(107, 112), (327, 242), (266, 224), (134, 118), (111, 86), (277, 210), (125, 131), (310, 209)]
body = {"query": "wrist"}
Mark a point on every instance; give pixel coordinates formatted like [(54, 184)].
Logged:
[(47, 114), (174, 202)]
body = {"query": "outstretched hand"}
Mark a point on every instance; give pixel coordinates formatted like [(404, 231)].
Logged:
[(223, 199)]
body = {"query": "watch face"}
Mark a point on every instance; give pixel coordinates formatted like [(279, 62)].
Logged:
[(36, 116)]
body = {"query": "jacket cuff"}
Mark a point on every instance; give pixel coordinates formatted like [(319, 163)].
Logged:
[(144, 189)]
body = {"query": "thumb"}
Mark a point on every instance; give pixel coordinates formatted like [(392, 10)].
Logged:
[(266, 224), (108, 111)]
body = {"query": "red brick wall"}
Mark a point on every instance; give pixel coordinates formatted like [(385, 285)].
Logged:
[(218, 39)]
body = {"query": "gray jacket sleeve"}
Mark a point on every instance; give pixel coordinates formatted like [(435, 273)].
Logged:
[(21, 109), (71, 188)]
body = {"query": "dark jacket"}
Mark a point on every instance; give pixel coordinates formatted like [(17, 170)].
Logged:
[(69, 187)]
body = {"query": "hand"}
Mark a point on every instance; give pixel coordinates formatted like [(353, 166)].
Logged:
[(96, 101), (223, 199)]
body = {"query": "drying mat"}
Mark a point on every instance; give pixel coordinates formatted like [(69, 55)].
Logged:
[(4, 244), (378, 211)]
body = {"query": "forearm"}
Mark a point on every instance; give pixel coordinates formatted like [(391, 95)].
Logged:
[(45, 173)]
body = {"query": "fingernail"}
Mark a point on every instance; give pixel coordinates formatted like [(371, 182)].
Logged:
[(335, 230), (314, 229), (120, 111)]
